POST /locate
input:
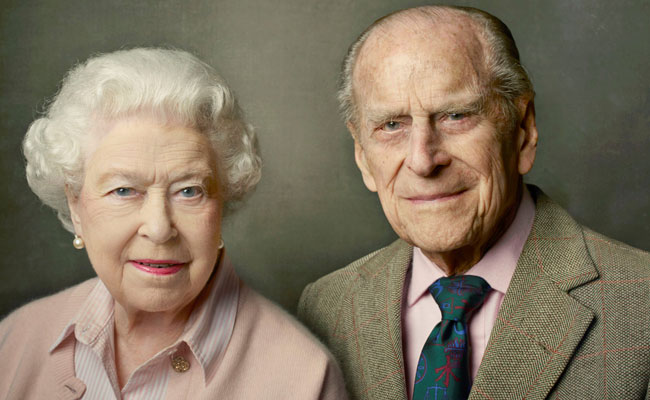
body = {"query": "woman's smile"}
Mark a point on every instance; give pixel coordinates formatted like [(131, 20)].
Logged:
[(158, 267)]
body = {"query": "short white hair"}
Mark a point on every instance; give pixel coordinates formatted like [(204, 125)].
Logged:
[(171, 85)]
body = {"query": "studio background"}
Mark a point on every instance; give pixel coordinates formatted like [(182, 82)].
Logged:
[(311, 213)]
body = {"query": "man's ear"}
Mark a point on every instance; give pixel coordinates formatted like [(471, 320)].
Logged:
[(73, 205), (526, 136), (360, 158)]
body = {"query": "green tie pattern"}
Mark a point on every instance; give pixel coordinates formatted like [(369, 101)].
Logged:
[(443, 369)]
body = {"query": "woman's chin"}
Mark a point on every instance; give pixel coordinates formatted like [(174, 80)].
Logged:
[(153, 301)]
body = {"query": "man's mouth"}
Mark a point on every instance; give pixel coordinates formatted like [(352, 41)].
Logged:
[(436, 196)]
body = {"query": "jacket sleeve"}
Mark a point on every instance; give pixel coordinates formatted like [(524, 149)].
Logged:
[(304, 302)]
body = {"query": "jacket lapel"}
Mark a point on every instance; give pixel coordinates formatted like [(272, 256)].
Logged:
[(377, 315), (539, 325)]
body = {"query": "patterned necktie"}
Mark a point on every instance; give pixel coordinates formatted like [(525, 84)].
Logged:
[(443, 369)]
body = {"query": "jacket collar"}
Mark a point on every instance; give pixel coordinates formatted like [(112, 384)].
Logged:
[(539, 325), (377, 305)]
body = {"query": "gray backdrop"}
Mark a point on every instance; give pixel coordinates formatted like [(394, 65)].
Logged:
[(311, 213)]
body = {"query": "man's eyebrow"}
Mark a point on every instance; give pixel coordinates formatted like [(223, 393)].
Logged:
[(471, 106), (381, 115), (475, 105)]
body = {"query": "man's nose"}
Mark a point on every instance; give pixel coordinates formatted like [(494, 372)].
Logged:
[(425, 152), (156, 222)]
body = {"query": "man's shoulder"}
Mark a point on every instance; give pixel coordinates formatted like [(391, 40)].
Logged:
[(334, 291), (365, 267), (617, 261), (615, 291), (563, 243)]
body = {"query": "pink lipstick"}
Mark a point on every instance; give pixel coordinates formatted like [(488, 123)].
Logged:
[(158, 267)]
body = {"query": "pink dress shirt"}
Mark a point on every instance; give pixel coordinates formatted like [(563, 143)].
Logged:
[(206, 336), (420, 313)]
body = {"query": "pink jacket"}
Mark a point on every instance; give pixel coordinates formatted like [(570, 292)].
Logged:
[(269, 356)]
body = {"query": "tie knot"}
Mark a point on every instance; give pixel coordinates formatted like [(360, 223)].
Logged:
[(459, 296)]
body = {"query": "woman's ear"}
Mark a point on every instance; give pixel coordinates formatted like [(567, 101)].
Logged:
[(73, 205)]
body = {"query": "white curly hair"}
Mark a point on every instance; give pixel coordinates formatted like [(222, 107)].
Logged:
[(168, 84)]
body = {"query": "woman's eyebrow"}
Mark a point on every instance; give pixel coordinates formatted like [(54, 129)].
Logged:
[(119, 173), (196, 172), (134, 177)]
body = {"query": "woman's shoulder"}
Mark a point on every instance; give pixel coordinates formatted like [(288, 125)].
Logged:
[(27, 339), (269, 320), (46, 314), (271, 354)]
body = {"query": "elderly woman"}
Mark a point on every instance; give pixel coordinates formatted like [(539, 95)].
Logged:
[(140, 154)]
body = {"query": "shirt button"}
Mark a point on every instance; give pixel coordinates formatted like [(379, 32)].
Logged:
[(180, 364)]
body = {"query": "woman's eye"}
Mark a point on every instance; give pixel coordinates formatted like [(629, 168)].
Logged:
[(391, 126), (456, 116), (191, 191), (124, 192)]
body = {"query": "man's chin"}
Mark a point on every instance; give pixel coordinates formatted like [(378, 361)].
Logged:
[(442, 232), (439, 248), (439, 243)]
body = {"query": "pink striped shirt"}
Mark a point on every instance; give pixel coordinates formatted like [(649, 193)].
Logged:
[(420, 313), (202, 343)]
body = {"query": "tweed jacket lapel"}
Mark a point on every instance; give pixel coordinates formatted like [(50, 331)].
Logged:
[(377, 311), (539, 325)]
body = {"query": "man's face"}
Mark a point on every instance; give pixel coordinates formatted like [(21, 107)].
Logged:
[(427, 142)]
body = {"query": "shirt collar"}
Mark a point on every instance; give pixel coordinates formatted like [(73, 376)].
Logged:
[(209, 328), (93, 316), (207, 331), (497, 265)]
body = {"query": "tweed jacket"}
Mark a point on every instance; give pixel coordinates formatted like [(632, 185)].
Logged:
[(574, 323)]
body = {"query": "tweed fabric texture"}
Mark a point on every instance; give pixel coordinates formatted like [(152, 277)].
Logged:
[(574, 323)]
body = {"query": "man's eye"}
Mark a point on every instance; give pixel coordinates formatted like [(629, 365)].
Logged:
[(391, 126), (457, 116), (191, 191), (124, 192)]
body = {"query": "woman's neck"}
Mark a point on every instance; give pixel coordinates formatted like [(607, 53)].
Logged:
[(141, 335)]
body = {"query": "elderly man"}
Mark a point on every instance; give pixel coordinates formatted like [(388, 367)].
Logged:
[(492, 290)]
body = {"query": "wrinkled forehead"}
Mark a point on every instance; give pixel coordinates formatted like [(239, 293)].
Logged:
[(402, 52)]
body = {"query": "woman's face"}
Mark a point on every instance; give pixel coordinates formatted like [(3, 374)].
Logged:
[(149, 213)]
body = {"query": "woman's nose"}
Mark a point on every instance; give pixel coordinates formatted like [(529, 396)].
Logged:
[(156, 223)]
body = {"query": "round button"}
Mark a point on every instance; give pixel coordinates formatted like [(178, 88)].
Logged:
[(180, 364)]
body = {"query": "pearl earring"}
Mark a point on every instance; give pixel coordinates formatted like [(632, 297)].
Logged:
[(221, 244), (78, 243)]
